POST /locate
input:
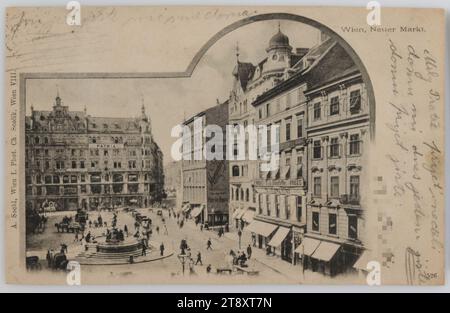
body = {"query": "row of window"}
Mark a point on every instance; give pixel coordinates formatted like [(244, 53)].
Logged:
[(352, 230), (280, 104), (335, 106), (94, 178), (239, 194), (92, 152), (61, 165), (334, 148), (334, 187), (265, 198), (95, 189)]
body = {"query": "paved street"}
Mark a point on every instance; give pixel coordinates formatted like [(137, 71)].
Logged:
[(168, 269)]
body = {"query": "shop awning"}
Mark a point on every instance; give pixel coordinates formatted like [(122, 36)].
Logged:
[(240, 214), (285, 172), (326, 251), (275, 173), (363, 260), (261, 228), (279, 236), (235, 213), (197, 211), (248, 216), (308, 246), (264, 174)]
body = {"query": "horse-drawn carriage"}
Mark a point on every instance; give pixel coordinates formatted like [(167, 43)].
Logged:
[(69, 227), (57, 261)]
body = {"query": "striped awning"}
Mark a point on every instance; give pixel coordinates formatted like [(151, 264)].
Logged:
[(326, 251), (248, 216), (197, 211), (308, 246), (279, 236), (261, 228)]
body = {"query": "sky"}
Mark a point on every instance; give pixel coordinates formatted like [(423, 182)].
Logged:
[(168, 101)]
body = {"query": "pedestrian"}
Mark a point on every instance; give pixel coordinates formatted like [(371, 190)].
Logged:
[(144, 250), (161, 248), (157, 229), (50, 254), (208, 269), (209, 244), (201, 227), (191, 266), (249, 251), (199, 259), (76, 236), (166, 232), (64, 249), (125, 230)]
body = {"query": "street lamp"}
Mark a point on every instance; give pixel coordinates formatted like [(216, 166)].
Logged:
[(183, 258), (240, 236)]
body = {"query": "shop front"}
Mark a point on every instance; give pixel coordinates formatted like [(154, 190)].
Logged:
[(262, 232), (321, 256), (281, 243), (197, 213)]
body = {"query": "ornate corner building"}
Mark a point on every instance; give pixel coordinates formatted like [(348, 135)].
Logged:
[(74, 160)]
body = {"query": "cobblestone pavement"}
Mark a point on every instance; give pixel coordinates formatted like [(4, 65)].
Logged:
[(271, 269)]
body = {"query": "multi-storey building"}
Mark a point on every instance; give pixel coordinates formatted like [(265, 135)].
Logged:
[(205, 181), (74, 160), (251, 81), (314, 198), (338, 134), (173, 184)]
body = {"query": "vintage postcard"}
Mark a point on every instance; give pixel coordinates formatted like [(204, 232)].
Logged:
[(224, 145)]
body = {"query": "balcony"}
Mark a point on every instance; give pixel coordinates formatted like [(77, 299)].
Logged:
[(350, 199), (280, 182), (292, 143)]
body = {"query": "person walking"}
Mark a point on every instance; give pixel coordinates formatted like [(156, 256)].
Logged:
[(125, 230), (249, 251), (209, 244), (161, 248), (157, 229), (144, 250), (64, 249), (199, 259)]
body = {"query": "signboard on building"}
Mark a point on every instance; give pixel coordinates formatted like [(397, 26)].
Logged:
[(105, 146)]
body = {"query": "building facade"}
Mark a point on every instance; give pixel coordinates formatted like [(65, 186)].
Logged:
[(338, 134), (311, 209), (74, 160), (205, 182), (250, 82)]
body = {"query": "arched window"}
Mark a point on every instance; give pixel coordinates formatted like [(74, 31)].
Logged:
[(237, 194), (36, 140), (242, 194), (235, 171), (247, 195)]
